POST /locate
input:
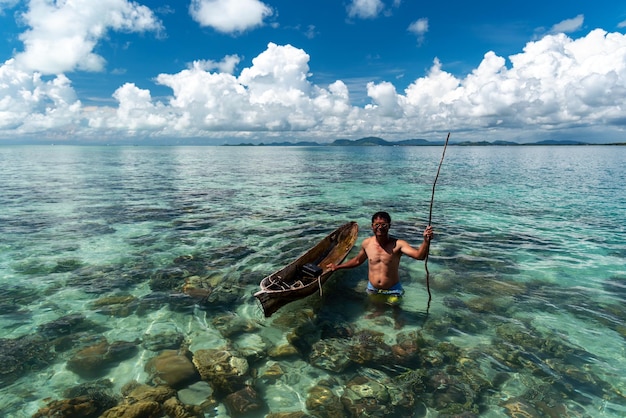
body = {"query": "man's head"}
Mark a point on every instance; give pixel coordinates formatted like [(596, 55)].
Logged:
[(381, 221), (384, 216)]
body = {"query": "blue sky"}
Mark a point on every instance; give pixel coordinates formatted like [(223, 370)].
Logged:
[(231, 71)]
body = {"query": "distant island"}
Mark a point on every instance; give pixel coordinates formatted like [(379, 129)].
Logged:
[(373, 141)]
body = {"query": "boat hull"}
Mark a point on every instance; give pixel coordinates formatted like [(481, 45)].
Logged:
[(295, 281)]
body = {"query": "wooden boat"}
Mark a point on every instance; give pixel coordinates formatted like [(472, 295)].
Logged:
[(308, 273)]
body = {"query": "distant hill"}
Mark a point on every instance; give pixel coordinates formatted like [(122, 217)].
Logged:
[(278, 144), (367, 141), (554, 142), (374, 141), (479, 143), (417, 142), (297, 144)]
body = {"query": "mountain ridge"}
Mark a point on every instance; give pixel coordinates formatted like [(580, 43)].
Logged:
[(374, 141)]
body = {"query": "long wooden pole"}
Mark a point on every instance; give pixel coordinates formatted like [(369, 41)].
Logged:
[(430, 218)]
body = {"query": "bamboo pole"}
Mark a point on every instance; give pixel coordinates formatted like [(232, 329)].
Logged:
[(430, 218)]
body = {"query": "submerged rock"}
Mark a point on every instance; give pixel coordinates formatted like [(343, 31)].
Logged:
[(150, 402), (364, 397), (119, 306), (272, 373), (407, 349), (244, 401), (168, 279), (163, 336), (176, 409), (324, 403), (197, 287), (440, 326), (94, 360), (224, 369), (136, 392), (296, 414), (230, 325), (369, 348), (225, 296), (252, 346), (85, 401), (14, 297), (171, 368), (65, 325), (450, 395), (283, 351), (143, 409), (461, 318), (490, 304), (293, 318), (67, 265), (331, 354), (80, 407), (407, 389), (494, 287), (194, 264), (100, 280), (519, 408), (304, 336), (21, 355), (98, 388)]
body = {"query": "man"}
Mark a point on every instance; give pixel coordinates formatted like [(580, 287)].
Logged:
[(383, 253)]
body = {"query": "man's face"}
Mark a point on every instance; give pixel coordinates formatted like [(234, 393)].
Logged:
[(380, 226)]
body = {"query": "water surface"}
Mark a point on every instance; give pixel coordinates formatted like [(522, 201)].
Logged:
[(527, 269)]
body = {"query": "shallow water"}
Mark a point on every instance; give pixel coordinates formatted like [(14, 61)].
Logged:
[(527, 268)]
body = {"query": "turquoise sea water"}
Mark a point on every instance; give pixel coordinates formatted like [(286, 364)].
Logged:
[(527, 269)]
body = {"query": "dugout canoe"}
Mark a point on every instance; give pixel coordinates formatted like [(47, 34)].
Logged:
[(307, 274)]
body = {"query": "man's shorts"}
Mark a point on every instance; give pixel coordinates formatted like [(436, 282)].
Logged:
[(391, 296)]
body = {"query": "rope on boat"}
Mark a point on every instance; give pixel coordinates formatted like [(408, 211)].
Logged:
[(430, 217), (319, 282)]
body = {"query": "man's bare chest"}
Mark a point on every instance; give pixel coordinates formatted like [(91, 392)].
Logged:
[(382, 253)]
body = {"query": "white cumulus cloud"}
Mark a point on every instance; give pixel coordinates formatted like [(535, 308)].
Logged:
[(271, 96), (568, 25), (62, 35), (365, 9), (555, 83), (229, 16), (29, 103), (419, 28), (226, 65)]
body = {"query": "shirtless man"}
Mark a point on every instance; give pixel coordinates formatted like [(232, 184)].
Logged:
[(383, 253)]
